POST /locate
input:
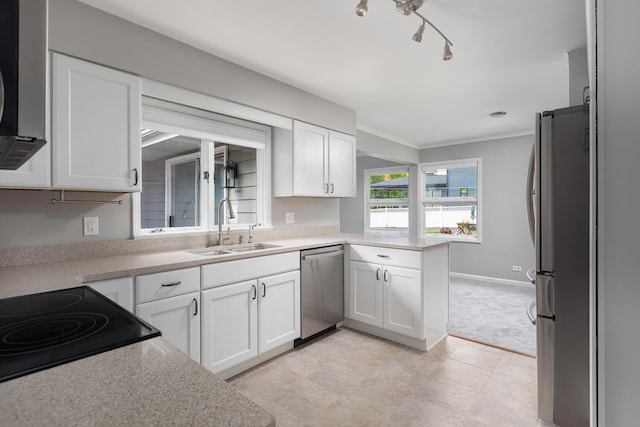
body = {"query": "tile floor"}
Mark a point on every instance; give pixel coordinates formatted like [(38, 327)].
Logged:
[(348, 378)]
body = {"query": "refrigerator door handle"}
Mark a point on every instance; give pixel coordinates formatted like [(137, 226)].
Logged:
[(531, 192), (544, 193), (530, 312)]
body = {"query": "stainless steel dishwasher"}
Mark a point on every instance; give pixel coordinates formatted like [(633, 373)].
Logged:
[(322, 290)]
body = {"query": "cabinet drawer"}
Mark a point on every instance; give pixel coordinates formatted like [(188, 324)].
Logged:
[(223, 273), (156, 286), (387, 256)]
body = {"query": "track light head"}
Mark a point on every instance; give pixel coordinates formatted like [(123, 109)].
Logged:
[(361, 8), (417, 37), (447, 54)]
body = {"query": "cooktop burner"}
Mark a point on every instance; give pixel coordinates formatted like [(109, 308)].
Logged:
[(44, 330)]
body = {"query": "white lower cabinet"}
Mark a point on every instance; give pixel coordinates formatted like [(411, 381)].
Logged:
[(170, 301), (243, 320), (178, 318), (387, 297), (229, 325), (118, 290), (399, 294)]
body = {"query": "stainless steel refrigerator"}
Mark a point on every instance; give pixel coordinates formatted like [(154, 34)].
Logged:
[(561, 216)]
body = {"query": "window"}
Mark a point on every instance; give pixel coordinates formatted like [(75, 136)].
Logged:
[(451, 199), (387, 200), (191, 159)]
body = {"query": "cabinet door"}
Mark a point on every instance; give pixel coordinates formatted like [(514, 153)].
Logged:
[(178, 318), (310, 169), (365, 293), (229, 325), (95, 127), (402, 296), (342, 165), (279, 310), (119, 291)]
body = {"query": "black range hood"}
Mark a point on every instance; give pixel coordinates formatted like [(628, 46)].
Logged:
[(23, 76)]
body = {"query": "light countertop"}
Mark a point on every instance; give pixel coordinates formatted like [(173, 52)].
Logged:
[(147, 383), (35, 278)]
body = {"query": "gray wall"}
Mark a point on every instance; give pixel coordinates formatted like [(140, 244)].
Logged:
[(619, 203), (505, 231), (80, 30), (352, 209), (27, 218)]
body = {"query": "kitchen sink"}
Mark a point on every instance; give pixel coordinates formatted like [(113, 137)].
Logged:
[(250, 247), (234, 250)]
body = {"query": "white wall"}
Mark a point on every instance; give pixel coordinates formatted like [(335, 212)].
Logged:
[(506, 240), (619, 202)]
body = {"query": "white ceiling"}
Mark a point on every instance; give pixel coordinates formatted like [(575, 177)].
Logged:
[(509, 55)]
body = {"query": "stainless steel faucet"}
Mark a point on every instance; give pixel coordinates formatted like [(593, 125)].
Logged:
[(220, 218), (251, 227)]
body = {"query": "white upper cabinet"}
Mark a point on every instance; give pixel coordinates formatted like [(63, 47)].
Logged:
[(95, 127), (314, 162)]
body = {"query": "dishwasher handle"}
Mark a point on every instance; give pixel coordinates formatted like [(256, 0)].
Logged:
[(322, 255)]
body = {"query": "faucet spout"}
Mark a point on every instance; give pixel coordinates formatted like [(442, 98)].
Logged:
[(232, 215)]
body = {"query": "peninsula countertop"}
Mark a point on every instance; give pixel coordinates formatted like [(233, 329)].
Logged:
[(147, 383)]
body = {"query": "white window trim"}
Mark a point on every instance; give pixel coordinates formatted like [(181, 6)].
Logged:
[(168, 176), (424, 201), (367, 201), (250, 134)]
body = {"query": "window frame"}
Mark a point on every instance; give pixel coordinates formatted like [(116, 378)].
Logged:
[(368, 202), (443, 201), (190, 101)]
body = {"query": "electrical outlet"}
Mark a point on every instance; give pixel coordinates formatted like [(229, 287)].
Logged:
[(289, 218), (516, 268), (90, 225)]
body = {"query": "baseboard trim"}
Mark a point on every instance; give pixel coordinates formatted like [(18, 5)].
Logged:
[(491, 279)]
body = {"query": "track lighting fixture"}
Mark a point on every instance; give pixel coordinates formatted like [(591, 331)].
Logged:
[(407, 7), (361, 8)]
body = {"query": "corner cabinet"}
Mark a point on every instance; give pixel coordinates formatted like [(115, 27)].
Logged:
[(95, 127), (399, 294), (314, 162)]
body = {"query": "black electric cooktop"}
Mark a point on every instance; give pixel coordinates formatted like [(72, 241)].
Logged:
[(40, 331)]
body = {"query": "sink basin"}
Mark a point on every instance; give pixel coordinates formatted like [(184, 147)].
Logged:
[(209, 252), (250, 247), (234, 250)]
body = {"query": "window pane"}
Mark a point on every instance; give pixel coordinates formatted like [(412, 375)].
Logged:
[(388, 217), (461, 181), (389, 186), (456, 219), (157, 210)]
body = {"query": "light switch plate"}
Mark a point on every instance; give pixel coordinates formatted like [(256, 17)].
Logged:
[(90, 225), (289, 218)]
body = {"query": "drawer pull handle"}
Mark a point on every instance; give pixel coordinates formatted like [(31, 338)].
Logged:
[(384, 256), (196, 303), (170, 285)]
